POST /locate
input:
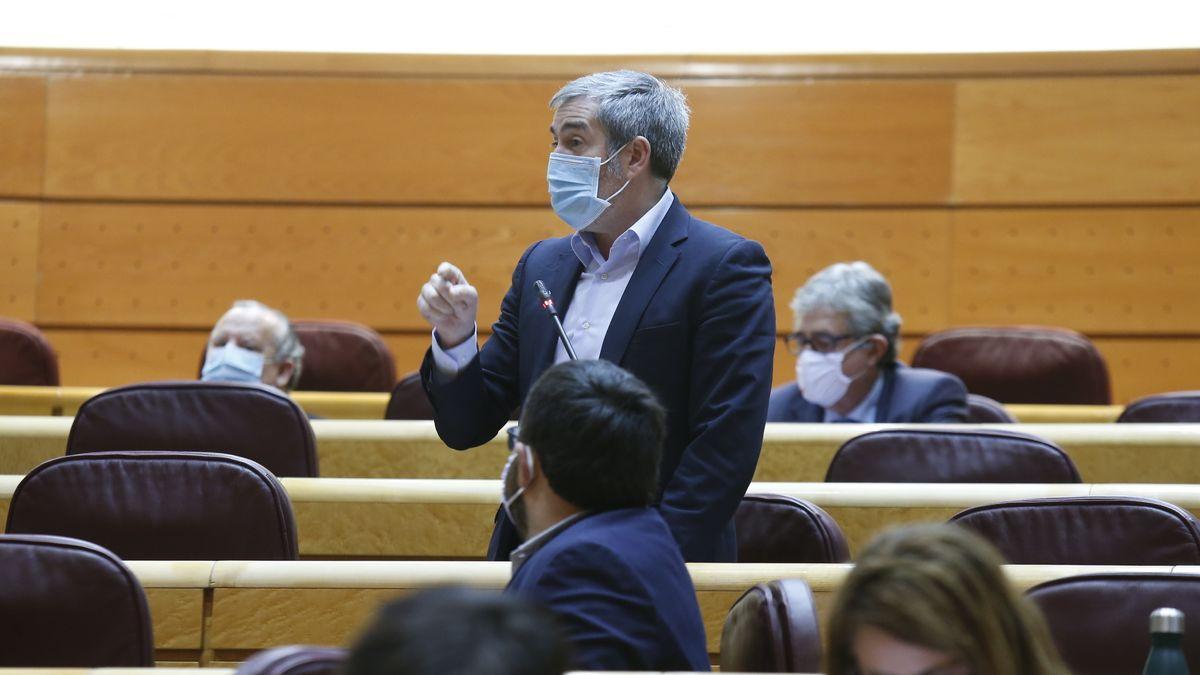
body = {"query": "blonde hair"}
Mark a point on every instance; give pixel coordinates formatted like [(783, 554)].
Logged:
[(943, 588)]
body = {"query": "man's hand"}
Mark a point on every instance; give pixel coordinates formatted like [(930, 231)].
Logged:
[(449, 304)]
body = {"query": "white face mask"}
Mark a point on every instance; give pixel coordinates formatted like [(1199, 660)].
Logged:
[(232, 363), (509, 501), (575, 188), (820, 376)]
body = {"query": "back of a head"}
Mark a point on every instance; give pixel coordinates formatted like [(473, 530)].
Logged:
[(597, 431), (460, 631), (941, 588)]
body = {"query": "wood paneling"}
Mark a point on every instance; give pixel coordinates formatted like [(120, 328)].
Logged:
[(103, 358), (295, 139), (22, 137), (909, 247), (438, 141), (182, 265), (818, 143), (19, 230), (1078, 140), (1140, 367), (113, 265), (1116, 271)]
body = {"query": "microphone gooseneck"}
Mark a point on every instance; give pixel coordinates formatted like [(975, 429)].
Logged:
[(548, 305)]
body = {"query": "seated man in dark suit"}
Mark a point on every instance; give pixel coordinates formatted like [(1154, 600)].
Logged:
[(579, 485), (846, 369)]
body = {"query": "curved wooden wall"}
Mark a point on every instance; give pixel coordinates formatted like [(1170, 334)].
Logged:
[(140, 193)]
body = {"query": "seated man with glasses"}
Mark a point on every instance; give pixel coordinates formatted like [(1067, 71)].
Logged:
[(845, 345)]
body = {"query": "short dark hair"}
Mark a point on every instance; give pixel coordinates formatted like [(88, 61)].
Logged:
[(460, 631), (598, 432)]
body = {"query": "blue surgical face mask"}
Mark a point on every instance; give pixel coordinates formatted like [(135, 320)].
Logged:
[(231, 363), (575, 188)]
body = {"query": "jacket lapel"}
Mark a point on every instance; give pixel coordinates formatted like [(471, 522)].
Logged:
[(652, 268)]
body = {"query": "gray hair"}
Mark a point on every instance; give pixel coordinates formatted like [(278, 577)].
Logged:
[(287, 342), (633, 104), (861, 293)]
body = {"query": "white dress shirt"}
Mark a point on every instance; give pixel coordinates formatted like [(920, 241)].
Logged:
[(597, 293)]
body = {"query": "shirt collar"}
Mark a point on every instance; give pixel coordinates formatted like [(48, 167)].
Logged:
[(525, 551), (642, 231)]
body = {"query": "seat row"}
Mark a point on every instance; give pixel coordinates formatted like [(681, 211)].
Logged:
[(762, 618), (203, 506), (1021, 364)]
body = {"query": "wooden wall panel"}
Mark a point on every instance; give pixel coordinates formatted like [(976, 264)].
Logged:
[(182, 266), (1140, 367), (1078, 140), (298, 139), (1114, 271), (819, 143), (18, 258), (22, 136), (909, 247), (104, 358), (456, 141)]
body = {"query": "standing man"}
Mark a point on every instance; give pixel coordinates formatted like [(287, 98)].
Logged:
[(684, 305)]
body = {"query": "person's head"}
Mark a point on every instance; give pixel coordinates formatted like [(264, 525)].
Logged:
[(933, 600), (844, 324), (254, 343), (633, 121), (590, 439), (460, 631)]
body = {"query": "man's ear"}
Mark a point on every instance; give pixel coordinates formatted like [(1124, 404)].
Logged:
[(528, 465), (878, 346), (639, 156), (283, 377)]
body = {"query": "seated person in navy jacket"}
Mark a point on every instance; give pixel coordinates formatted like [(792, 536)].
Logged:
[(579, 486), (846, 369)]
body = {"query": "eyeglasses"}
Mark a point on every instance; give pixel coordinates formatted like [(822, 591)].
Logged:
[(822, 343), (512, 438)]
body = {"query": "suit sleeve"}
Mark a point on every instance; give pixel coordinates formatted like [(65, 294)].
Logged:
[(607, 617), (733, 352), (470, 409), (947, 402)]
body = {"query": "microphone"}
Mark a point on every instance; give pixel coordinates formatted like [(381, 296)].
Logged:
[(548, 305)]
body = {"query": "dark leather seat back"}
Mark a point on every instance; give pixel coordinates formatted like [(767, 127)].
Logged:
[(159, 506), (1087, 531), (66, 603), (409, 401), (950, 456), (983, 410), (1178, 406), (780, 529), (26, 356), (1101, 622), (248, 420), (1020, 364), (344, 356), (772, 628), (295, 660)]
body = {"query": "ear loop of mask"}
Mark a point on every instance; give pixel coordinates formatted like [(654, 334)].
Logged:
[(622, 189)]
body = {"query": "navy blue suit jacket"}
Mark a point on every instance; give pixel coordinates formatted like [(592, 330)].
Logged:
[(696, 324), (908, 395), (621, 592)]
